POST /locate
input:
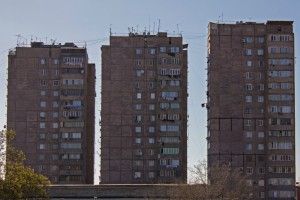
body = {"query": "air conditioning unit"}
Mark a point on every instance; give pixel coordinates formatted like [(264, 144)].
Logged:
[(243, 40)]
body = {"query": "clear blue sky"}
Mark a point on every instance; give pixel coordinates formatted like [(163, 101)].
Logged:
[(90, 20)]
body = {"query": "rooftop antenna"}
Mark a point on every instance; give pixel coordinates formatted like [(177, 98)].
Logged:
[(18, 39), (222, 17), (137, 28), (158, 25), (110, 33), (149, 25), (178, 29), (154, 28), (128, 29)]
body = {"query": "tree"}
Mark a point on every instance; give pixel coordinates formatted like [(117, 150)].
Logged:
[(219, 182), (21, 182)]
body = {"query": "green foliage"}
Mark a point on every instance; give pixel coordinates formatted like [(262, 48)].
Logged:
[(21, 182)]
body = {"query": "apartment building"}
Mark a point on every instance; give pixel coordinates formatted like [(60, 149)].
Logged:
[(251, 104), (50, 106), (144, 109)]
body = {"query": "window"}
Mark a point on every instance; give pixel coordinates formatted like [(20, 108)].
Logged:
[(43, 83), (138, 62), (261, 147), (151, 129), (248, 52), (55, 83), (260, 122), (260, 75), (286, 85), (138, 140), (139, 95), (285, 109), (261, 182), (56, 72), (43, 61), (151, 140), (56, 61), (162, 49), (248, 122), (42, 136), (137, 175), (261, 63), (42, 125), (42, 114), (249, 135), (55, 136), (260, 134), (55, 93), (260, 99), (284, 50), (249, 170), (55, 125), (248, 99), (152, 51), (260, 52), (249, 75), (138, 106), (273, 49), (151, 85), (41, 146), (138, 129), (54, 156), (138, 118), (43, 93), (249, 63), (138, 51), (248, 86), (55, 114), (151, 174), (152, 118), (248, 147), (139, 73), (55, 104), (163, 72), (41, 157), (249, 39), (169, 150), (261, 40), (43, 72), (261, 170), (151, 106), (174, 49), (248, 110), (152, 96), (260, 111), (151, 62), (261, 87), (169, 128)]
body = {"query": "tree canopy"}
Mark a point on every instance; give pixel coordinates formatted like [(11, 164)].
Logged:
[(217, 182), (21, 182)]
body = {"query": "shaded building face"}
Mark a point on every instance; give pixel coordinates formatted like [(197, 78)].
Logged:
[(51, 91), (144, 110), (251, 120)]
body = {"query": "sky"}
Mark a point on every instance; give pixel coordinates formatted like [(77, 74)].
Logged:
[(88, 22)]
